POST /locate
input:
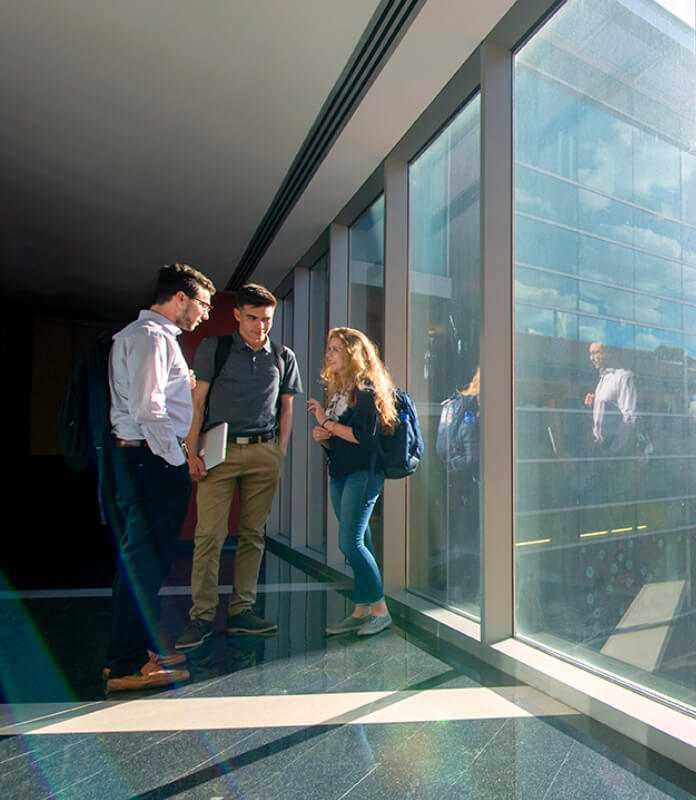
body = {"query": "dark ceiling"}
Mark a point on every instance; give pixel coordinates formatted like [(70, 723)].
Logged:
[(137, 133)]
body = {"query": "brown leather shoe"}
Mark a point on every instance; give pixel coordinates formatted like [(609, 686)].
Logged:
[(166, 660), (151, 676)]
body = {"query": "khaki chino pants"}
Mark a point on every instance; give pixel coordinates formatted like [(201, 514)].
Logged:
[(255, 469)]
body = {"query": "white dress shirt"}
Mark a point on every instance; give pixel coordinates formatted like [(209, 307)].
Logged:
[(615, 388), (150, 387)]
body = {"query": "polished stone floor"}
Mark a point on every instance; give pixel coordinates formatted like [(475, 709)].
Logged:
[(296, 715)]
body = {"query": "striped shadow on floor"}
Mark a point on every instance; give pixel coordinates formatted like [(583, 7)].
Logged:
[(304, 710)]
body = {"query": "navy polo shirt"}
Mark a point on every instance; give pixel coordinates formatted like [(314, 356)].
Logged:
[(246, 392)]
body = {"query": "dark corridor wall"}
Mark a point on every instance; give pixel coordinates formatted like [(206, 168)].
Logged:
[(52, 532)]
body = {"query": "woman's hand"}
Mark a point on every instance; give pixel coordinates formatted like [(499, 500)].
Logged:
[(316, 408), (320, 434)]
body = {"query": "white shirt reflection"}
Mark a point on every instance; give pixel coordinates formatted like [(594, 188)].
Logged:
[(616, 389)]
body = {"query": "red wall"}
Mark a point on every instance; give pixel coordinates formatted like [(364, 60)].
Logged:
[(221, 323)]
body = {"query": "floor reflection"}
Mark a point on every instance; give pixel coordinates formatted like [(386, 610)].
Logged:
[(297, 714)]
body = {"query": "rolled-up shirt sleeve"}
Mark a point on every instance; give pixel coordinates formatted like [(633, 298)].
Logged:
[(292, 383), (148, 367), (204, 360)]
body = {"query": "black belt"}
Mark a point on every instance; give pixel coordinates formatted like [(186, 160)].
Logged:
[(253, 438), (129, 442), (138, 442)]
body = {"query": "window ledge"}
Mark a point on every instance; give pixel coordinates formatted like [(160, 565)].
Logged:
[(648, 722), (652, 724), (441, 622)]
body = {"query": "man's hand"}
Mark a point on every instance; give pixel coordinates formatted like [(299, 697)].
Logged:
[(320, 434), (589, 399), (196, 466), (192, 379)]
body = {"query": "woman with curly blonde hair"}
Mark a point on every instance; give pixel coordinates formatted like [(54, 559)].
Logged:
[(361, 406)]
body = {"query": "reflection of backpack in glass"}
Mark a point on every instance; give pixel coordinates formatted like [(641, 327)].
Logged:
[(458, 432)]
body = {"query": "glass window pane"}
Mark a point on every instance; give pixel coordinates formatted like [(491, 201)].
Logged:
[(658, 275), (598, 299), (285, 487), (316, 465), (444, 323), (366, 271), (540, 245), (276, 521), (605, 351), (546, 289), (604, 261), (366, 303)]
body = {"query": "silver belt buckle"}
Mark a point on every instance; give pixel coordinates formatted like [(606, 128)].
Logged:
[(243, 439)]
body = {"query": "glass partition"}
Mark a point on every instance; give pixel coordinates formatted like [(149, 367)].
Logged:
[(285, 488), (366, 273), (444, 324), (316, 465), (366, 303), (605, 353)]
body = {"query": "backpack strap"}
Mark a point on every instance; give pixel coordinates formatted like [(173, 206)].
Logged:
[(280, 356), (222, 351)]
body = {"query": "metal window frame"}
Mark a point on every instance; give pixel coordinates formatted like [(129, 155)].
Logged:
[(497, 407), (396, 299)]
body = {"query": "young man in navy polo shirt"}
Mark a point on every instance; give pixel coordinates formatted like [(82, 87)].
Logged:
[(253, 393)]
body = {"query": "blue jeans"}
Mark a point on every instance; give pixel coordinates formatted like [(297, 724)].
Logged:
[(353, 498)]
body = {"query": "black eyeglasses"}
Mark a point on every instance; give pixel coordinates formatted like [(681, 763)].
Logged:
[(205, 306)]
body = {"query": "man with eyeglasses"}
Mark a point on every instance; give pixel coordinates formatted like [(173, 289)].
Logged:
[(151, 413)]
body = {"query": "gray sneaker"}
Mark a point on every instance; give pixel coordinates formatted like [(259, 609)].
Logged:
[(194, 634), (346, 625), (247, 622), (374, 625)]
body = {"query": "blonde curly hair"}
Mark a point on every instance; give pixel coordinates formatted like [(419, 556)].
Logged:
[(474, 388), (365, 371)]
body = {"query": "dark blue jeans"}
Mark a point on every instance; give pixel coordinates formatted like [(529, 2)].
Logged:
[(353, 498), (153, 497)]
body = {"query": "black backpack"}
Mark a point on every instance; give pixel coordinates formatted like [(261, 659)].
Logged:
[(400, 452), (83, 420), (222, 351)]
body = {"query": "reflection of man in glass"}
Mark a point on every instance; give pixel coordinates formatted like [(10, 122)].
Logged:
[(613, 403)]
